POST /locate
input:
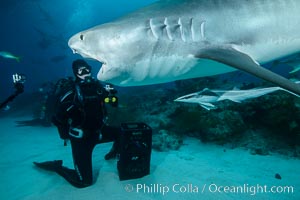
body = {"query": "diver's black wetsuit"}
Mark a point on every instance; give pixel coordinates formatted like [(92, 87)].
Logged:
[(80, 117)]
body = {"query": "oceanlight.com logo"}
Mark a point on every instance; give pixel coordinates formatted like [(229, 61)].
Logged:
[(250, 189), (164, 189)]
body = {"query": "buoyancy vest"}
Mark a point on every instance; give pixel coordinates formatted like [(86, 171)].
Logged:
[(82, 104)]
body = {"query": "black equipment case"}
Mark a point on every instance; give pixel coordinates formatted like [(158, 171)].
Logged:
[(135, 150)]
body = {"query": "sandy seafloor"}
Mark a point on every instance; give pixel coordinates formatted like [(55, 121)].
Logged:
[(195, 171)]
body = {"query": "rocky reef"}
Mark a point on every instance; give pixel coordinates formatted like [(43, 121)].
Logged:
[(265, 125)]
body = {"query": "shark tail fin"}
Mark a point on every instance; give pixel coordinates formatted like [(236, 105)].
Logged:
[(18, 58)]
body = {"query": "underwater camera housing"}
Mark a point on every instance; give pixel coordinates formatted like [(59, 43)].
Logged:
[(135, 150), (19, 80)]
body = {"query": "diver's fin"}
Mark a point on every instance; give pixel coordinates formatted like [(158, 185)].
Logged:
[(242, 61), (50, 165), (69, 174)]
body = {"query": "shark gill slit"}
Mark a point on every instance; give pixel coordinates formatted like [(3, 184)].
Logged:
[(202, 29), (152, 29), (181, 29), (167, 30), (192, 29)]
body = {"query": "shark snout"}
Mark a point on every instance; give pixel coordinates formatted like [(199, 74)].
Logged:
[(72, 44)]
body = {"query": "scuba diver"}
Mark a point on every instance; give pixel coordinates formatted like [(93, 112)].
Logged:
[(80, 116), (19, 80)]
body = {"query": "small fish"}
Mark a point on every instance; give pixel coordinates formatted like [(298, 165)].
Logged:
[(6, 108), (9, 55), (207, 97)]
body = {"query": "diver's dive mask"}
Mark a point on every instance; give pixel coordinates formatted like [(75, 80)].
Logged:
[(83, 72)]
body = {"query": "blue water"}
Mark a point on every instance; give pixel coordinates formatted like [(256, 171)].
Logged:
[(38, 31)]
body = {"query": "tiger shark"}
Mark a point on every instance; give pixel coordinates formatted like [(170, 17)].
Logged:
[(181, 39)]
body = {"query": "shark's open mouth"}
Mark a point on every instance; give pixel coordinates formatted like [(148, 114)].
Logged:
[(103, 73)]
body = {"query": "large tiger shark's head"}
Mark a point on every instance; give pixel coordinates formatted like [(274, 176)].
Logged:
[(118, 50), (137, 49)]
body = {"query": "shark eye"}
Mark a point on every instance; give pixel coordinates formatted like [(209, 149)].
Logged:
[(81, 36)]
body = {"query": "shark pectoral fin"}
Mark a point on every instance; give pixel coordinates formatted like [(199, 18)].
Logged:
[(235, 100), (242, 61), (207, 106)]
